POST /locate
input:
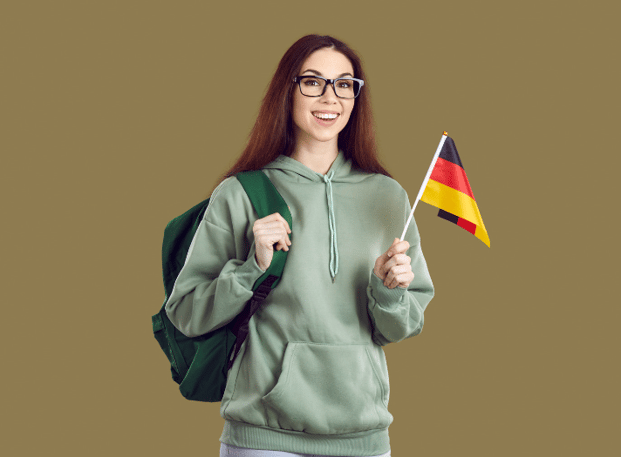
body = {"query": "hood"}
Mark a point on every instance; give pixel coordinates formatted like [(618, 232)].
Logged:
[(341, 170)]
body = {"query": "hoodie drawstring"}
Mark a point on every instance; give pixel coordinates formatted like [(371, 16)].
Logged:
[(334, 253)]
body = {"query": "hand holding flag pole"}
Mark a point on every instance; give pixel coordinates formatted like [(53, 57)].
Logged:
[(446, 187)]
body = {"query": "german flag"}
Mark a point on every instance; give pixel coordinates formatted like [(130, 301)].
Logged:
[(449, 190)]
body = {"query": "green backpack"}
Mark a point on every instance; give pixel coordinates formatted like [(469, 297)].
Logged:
[(200, 364)]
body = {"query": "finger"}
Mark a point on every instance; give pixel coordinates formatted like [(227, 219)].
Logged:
[(273, 220), (405, 279), (398, 247), (284, 221), (398, 259), (385, 269), (394, 282), (396, 275), (378, 268), (278, 217), (274, 234), (282, 245), (270, 233), (390, 277), (271, 239), (390, 251), (270, 227), (275, 225), (382, 264), (286, 240)]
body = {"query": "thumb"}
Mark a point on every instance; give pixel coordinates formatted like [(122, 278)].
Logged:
[(392, 251)]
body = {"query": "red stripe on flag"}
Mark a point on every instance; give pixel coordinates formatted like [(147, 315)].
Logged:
[(451, 175), (467, 225)]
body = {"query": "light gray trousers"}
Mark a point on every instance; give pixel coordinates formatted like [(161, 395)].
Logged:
[(226, 450)]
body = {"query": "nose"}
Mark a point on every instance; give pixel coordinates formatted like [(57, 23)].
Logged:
[(329, 92)]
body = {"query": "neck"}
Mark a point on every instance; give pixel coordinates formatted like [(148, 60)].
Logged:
[(318, 157)]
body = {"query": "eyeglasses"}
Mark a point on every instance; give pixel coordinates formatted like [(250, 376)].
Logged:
[(315, 86)]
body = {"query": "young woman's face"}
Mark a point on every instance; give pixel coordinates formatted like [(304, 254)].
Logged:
[(308, 111)]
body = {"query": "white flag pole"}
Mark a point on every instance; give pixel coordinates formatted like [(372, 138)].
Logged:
[(422, 188)]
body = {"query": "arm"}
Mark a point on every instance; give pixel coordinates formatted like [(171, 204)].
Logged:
[(220, 269), (398, 312)]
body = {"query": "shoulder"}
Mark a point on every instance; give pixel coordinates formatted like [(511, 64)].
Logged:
[(227, 188), (386, 186), (228, 201), (390, 183)]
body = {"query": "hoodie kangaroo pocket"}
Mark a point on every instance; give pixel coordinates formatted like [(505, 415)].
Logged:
[(329, 389)]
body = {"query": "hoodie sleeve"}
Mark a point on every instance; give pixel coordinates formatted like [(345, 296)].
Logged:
[(220, 269), (398, 313)]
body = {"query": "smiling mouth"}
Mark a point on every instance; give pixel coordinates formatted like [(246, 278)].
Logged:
[(326, 116)]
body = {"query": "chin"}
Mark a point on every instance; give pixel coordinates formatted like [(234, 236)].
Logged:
[(313, 134), (324, 136)]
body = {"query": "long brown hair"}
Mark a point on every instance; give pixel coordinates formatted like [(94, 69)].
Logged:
[(273, 131)]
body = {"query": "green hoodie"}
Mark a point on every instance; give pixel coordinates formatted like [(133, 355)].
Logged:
[(311, 377)]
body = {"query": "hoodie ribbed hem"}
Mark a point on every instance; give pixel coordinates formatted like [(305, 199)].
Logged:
[(371, 442)]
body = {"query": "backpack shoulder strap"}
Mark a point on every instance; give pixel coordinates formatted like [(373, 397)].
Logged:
[(266, 200)]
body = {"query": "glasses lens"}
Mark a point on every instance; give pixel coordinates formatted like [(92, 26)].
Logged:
[(347, 88), (312, 86)]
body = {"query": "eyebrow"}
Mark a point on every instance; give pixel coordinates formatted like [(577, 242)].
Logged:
[(319, 73)]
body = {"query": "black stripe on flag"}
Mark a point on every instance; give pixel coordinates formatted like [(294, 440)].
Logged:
[(449, 152), (448, 216)]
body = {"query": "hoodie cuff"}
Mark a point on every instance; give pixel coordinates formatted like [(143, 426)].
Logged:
[(248, 272), (384, 296)]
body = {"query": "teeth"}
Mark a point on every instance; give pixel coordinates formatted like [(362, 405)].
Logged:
[(325, 115)]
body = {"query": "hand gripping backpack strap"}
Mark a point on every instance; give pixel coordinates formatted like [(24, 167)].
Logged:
[(266, 200), (200, 364)]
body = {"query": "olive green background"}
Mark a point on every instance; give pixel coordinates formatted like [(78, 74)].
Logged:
[(119, 115)]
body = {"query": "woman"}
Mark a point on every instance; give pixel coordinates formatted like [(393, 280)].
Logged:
[(311, 378)]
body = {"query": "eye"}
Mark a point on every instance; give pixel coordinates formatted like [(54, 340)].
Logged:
[(345, 83), (311, 82)]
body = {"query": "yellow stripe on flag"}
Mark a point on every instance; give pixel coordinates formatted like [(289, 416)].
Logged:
[(453, 201), (481, 234)]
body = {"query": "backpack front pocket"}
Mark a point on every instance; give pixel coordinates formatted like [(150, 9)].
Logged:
[(329, 389)]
